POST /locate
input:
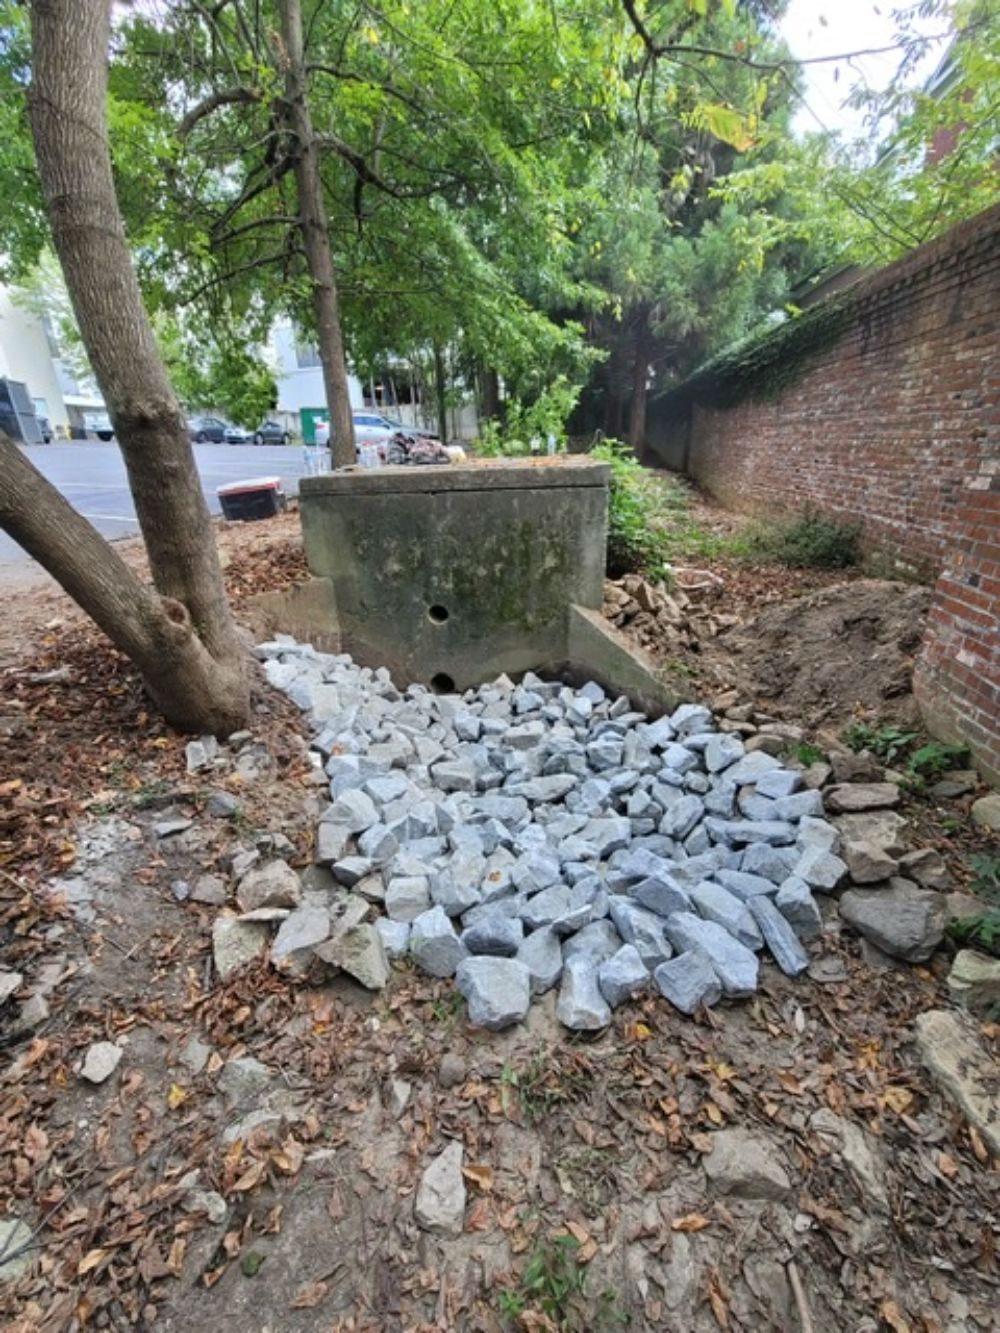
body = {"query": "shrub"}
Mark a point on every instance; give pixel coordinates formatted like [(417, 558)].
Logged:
[(811, 541), (886, 743), (982, 931), (635, 544), (522, 424)]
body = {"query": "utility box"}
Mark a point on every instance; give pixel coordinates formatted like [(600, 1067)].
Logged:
[(308, 416), (450, 575), (246, 501)]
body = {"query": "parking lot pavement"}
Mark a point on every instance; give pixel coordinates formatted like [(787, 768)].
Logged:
[(92, 477)]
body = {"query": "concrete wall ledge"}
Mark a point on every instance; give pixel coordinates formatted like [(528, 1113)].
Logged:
[(502, 474)]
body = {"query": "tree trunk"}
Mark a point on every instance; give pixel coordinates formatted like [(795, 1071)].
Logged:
[(316, 240), (489, 393), (640, 395), (70, 40), (194, 692), (441, 393)]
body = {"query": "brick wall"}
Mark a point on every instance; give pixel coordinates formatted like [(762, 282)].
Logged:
[(957, 681), (896, 426)]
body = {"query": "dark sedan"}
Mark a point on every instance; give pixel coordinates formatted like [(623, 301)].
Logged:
[(207, 428), (271, 432)]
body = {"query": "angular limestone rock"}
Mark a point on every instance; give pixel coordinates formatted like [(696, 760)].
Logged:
[(974, 981), (434, 946), (101, 1061), (746, 1166), (273, 885), (689, 980), (497, 990), (581, 1005), (781, 939), (851, 797), (950, 1049), (622, 975), (440, 1202), (903, 920), (734, 964), (236, 943), (360, 952)]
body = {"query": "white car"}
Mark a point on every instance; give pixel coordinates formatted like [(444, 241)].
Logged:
[(372, 428)]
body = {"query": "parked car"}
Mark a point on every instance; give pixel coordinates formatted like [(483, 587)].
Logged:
[(271, 432), (236, 435), (411, 430), (201, 429), (45, 427), (373, 428), (100, 424)]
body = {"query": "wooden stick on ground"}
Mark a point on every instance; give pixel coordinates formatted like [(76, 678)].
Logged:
[(801, 1303)]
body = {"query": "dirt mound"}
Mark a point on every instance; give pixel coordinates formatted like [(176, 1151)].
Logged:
[(840, 652)]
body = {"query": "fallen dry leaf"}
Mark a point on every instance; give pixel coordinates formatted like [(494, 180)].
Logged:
[(947, 1165), (250, 1178), (480, 1176), (691, 1222), (896, 1099), (90, 1261), (717, 1300), (289, 1157), (978, 1146), (893, 1316), (309, 1296), (177, 1096)]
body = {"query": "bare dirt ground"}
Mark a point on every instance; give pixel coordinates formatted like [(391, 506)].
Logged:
[(588, 1206)]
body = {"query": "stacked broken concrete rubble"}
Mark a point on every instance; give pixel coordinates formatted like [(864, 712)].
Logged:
[(525, 836)]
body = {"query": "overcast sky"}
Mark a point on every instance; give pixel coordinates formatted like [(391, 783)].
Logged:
[(850, 25)]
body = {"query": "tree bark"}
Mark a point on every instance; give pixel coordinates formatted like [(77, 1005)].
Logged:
[(67, 101), (489, 393), (316, 239), (194, 692), (640, 396), (441, 393)]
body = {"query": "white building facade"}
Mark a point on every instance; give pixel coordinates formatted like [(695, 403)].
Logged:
[(29, 355)]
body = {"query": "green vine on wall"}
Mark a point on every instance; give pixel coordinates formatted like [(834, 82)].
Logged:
[(766, 363)]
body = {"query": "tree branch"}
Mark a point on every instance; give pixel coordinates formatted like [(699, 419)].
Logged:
[(366, 174), (224, 97), (218, 279), (668, 50), (350, 77)]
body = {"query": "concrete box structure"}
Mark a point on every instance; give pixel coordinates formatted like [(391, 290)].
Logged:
[(451, 575)]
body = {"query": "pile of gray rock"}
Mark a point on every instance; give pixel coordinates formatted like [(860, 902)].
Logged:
[(525, 836)]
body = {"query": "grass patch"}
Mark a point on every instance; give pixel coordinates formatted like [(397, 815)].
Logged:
[(553, 1285), (982, 931), (636, 543), (809, 541), (922, 760), (545, 1082)]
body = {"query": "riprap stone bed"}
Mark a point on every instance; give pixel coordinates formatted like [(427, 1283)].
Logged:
[(524, 836)]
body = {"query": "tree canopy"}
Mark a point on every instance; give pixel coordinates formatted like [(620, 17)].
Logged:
[(541, 193)]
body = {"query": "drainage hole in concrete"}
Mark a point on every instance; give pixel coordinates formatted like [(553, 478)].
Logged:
[(439, 614), (442, 683)]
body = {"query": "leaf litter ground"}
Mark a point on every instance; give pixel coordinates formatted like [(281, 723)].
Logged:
[(596, 1146)]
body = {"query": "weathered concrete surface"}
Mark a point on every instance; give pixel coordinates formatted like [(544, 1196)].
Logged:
[(307, 611), (597, 651), (453, 574)]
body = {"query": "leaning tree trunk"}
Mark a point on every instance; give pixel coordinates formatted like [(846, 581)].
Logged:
[(316, 240), (179, 672), (206, 688)]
